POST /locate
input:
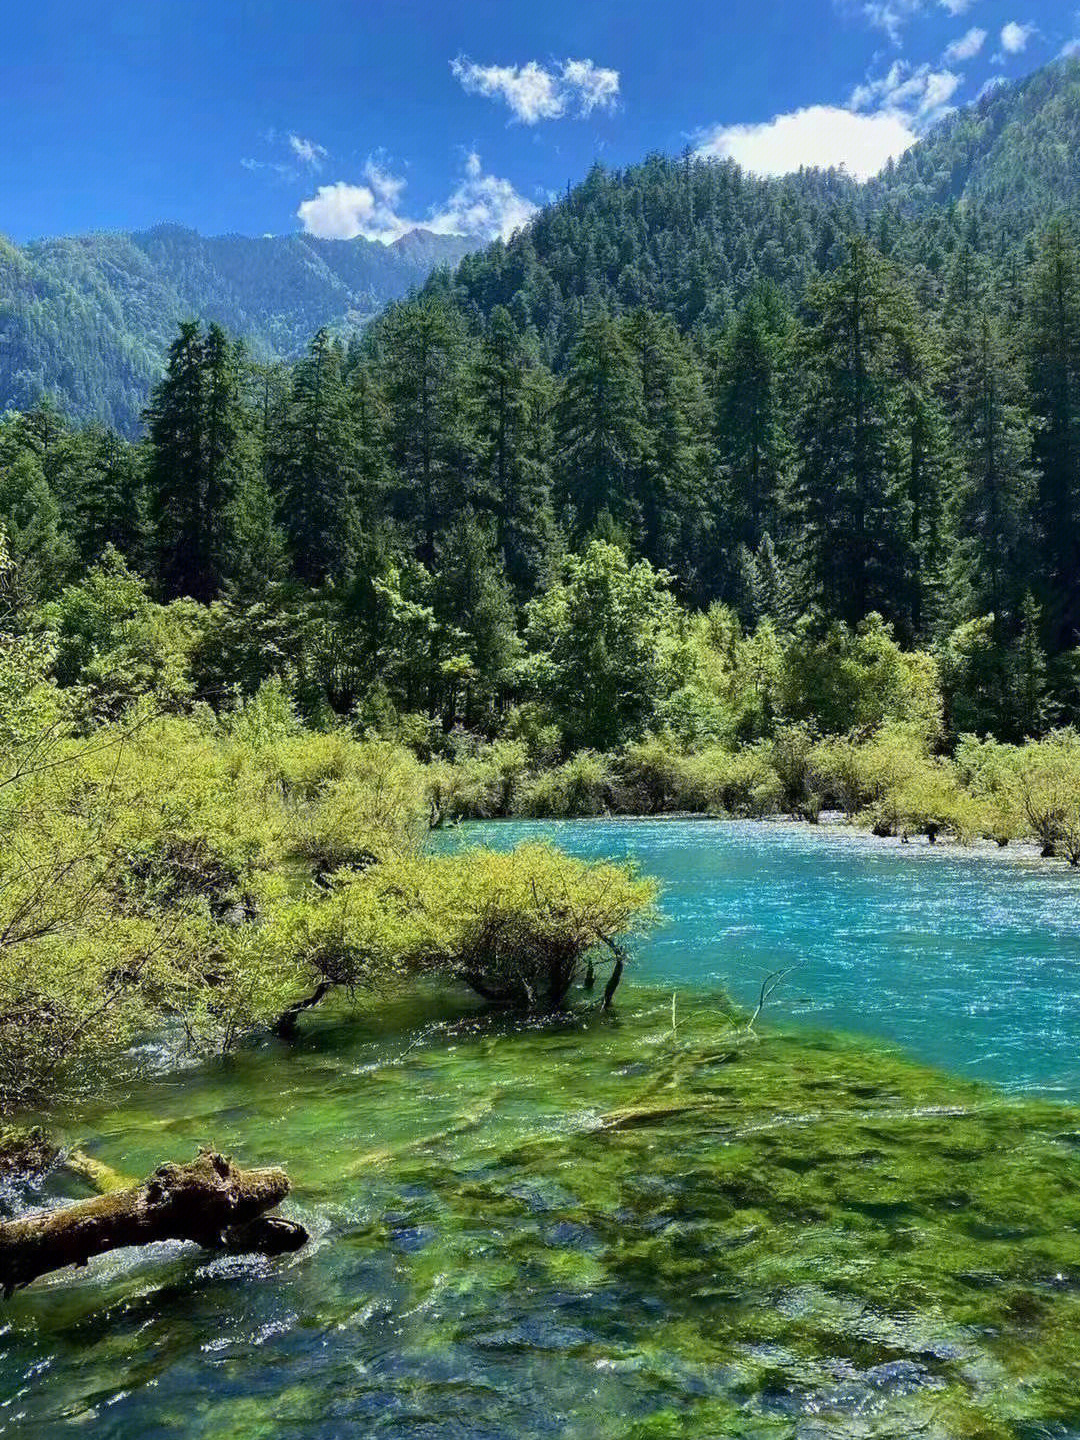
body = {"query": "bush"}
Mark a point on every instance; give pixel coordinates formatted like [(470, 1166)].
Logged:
[(478, 786), (584, 785), (1048, 777), (519, 928)]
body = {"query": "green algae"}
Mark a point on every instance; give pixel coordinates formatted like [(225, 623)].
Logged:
[(596, 1227)]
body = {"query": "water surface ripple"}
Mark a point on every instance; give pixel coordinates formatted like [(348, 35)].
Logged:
[(968, 957)]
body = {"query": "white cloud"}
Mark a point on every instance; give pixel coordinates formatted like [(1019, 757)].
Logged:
[(481, 205), (282, 171), (918, 96), (881, 120), (534, 93), (342, 212), (968, 46), (824, 136), (892, 15), (307, 151), (597, 88), (1070, 48), (1014, 37)]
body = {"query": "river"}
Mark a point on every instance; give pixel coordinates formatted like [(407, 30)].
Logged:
[(622, 1227)]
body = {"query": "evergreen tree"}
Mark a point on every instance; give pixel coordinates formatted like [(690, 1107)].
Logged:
[(665, 469), (751, 440), (198, 455), (1054, 362), (177, 470), (512, 429), (109, 504), (472, 601), (851, 501), (317, 468), (597, 429), (991, 547), (423, 351)]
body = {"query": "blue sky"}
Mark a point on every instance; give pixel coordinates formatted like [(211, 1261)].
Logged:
[(348, 117)]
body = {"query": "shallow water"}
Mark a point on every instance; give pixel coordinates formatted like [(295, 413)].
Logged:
[(969, 958), (604, 1228)]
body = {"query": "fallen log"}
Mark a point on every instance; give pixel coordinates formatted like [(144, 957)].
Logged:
[(210, 1202)]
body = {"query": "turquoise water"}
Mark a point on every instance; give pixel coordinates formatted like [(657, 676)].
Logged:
[(969, 958), (783, 1239)]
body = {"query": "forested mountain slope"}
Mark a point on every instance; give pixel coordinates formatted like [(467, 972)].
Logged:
[(88, 319), (1015, 152), (691, 238)]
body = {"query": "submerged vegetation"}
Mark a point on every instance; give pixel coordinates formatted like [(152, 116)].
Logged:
[(608, 1227)]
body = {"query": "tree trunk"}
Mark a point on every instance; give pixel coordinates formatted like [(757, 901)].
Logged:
[(209, 1202)]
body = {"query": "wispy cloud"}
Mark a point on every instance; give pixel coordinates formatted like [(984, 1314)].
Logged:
[(892, 15), (967, 47), (481, 205), (276, 167), (534, 92), (303, 154), (307, 151), (921, 95)]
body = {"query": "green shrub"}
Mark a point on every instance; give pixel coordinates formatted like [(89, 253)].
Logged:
[(584, 785)]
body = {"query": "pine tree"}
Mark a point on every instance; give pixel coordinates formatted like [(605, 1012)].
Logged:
[(751, 439), (423, 350), (177, 470), (851, 500), (473, 603), (1054, 366), (1028, 688), (512, 428), (109, 505), (992, 524), (226, 456), (664, 469), (317, 469), (597, 429)]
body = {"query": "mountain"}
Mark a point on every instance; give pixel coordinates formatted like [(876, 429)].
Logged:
[(691, 238), (1016, 150), (87, 319)]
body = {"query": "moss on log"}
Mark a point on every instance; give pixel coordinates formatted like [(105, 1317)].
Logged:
[(210, 1202)]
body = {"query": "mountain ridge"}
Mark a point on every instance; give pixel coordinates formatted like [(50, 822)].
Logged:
[(88, 318)]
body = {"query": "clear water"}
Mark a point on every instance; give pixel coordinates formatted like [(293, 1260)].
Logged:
[(969, 958), (802, 1238)]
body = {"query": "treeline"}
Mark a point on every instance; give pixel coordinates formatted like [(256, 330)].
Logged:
[(401, 526)]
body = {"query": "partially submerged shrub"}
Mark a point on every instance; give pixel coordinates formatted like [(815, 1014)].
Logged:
[(478, 786), (716, 781), (522, 928)]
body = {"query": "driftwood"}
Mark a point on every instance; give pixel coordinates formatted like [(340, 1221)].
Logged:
[(209, 1202)]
